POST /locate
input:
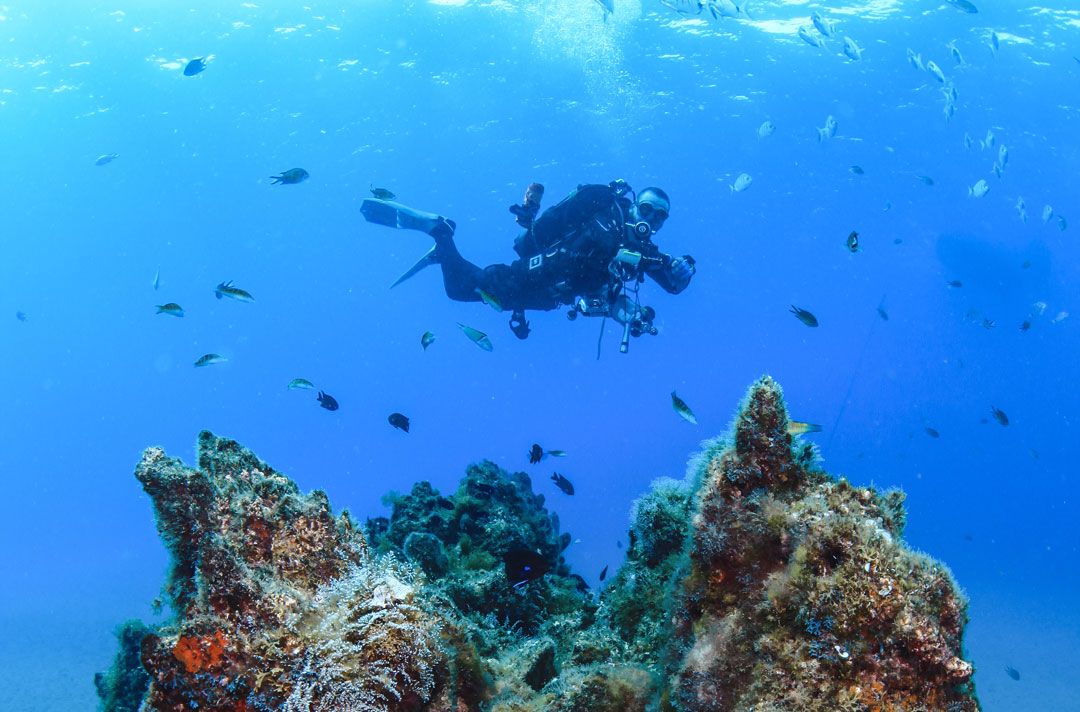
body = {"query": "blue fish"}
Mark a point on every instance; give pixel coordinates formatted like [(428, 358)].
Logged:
[(194, 67)]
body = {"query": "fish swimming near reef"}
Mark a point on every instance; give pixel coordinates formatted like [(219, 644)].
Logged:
[(562, 483), (195, 66), (804, 316), (327, 401), (999, 415), (522, 566), (172, 309), (106, 159), (477, 337), (427, 339), (603, 573), (399, 421), (683, 410), (741, 183), (797, 427), (290, 177), (381, 193), (209, 360), (537, 453), (853, 241), (227, 289), (301, 384)]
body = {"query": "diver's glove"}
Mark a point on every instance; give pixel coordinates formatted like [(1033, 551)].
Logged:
[(682, 269), (519, 325)]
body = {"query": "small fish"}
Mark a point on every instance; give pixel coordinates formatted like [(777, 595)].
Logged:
[(381, 193), (915, 60), (968, 141), (980, 189), (882, 313), (829, 130), (327, 401), (301, 384), (823, 25), (1038, 308), (172, 309), (995, 41), (1047, 213), (1060, 317), (489, 299), (804, 316), (399, 421), (106, 159), (1003, 155), (21, 316), (932, 432), (989, 141), (522, 566), (536, 453), (988, 323), (797, 427), (997, 170), (290, 177), (808, 38), (562, 483), (194, 66), (555, 453), (853, 241), (887, 206), (955, 52), (209, 360), (427, 339), (603, 573), (1062, 224), (1021, 209), (157, 279), (741, 183), (1012, 672), (949, 110), (477, 337), (683, 409), (925, 180), (766, 129), (964, 5), (935, 70), (999, 415), (954, 283), (852, 50), (226, 289), (1025, 325), (857, 170)]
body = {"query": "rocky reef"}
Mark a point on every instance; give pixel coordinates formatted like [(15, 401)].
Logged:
[(759, 583)]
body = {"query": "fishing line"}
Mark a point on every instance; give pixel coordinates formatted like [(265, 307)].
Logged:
[(854, 375)]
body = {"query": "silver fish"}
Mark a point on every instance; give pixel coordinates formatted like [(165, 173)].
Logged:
[(805, 36), (830, 129), (823, 26), (477, 337), (766, 129), (301, 384), (915, 60), (988, 142), (209, 359), (852, 50), (741, 183), (980, 189), (680, 407), (157, 279), (1021, 209), (935, 70), (1003, 155), (955, 52), (106, 159), (1047, 214)]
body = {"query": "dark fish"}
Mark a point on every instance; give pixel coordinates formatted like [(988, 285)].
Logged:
[(963, 5), (327, 401), (399, 421), (857, 170), (209, 360), (523, 566), (227, 289), (21, 316), (381, 193), (932, 433), (853, 241), (1026, 264), (603, 573), (427, 339), (955, 283), (925, 180), (999, 415), (1025, 325), (536, 453), (897, 240), (1012, 672), (988, 323), (290, 177), (194, 67), (172, 309), (562, 483), (804, 316), (882, 313)]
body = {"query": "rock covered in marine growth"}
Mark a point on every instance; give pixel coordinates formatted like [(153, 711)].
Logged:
[(758, 583)]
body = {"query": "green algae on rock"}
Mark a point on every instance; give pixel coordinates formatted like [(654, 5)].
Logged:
[(759, 583)]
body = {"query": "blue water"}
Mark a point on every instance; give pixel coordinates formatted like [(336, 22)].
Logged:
[(456, 108)]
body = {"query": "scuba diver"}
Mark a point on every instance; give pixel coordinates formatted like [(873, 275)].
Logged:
[(591, 252)]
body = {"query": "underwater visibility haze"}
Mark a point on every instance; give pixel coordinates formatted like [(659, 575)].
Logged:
[(877, 197)]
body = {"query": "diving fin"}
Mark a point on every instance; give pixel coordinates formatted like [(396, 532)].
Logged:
[(429, 258), (391, 214)]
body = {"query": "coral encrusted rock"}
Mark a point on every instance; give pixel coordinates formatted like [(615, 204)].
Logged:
[(758, 584)]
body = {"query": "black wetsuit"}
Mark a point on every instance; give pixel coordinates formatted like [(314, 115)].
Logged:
[(565, 255)]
